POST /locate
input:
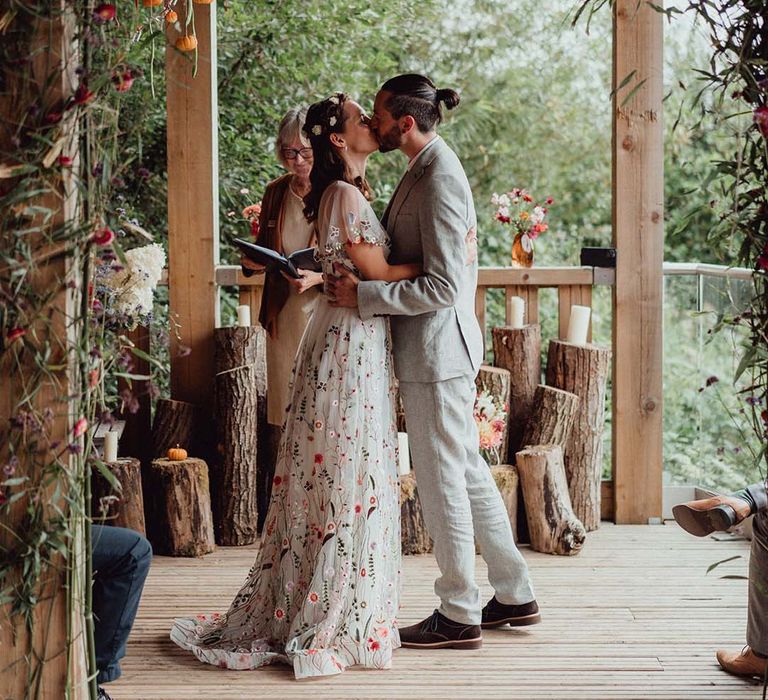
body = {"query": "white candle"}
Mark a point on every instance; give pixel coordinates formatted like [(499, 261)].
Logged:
[(517, 306), (578, 325), (110, 446), (244, 316), (404, 461)]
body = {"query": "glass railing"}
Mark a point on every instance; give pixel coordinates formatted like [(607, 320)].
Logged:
[(708, 438)]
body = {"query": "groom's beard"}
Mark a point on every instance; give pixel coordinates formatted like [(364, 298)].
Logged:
[(391, 140)]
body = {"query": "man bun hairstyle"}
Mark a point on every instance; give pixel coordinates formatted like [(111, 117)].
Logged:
[(416, 95)]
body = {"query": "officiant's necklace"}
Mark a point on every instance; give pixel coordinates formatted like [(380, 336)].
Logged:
[(294, 192)]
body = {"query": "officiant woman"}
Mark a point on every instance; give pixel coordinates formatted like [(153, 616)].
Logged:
[(286, 305)]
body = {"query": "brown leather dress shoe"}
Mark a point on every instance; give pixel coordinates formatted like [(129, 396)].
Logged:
[(703, 517), (496, 614), (438, 632), (743, 663)]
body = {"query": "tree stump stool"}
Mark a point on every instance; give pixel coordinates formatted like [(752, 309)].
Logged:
[(241, 371), (413, 531), (496, 382), (184, 524), (552, 524), (552, 417), (414, 536), (582, 370), (121, 507), (519, 351)]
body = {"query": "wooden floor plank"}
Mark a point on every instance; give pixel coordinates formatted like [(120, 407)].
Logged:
[(634, 616)]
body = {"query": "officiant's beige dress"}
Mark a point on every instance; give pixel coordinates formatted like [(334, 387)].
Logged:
[(323, 592), (293, 317)]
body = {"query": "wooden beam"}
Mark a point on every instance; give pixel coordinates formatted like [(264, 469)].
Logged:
[(39, 665), (193, 224), (638, 230)]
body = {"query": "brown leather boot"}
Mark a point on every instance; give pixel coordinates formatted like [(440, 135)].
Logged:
[(743, 663), (496, 614), (703, 517), (438, 632)]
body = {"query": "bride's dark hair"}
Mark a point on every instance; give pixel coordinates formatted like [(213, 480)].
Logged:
[(418, 96), (323, 119)]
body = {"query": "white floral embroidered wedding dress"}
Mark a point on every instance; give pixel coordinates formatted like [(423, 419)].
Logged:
[(323, 593)]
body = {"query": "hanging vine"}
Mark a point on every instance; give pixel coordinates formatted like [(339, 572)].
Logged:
[(66, 68)]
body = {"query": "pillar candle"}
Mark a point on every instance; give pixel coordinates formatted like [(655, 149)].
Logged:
[(110, 446), (578, 325), (517, 305), (404, 461), (244, 315)]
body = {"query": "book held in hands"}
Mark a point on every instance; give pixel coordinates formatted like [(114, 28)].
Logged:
[(303, 259)]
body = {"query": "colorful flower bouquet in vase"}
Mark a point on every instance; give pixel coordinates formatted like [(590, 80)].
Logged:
[(518, 209), (491, 420)]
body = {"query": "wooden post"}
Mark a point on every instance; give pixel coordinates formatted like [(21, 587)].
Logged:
[(638, 229), (193, 209), (39, 666)]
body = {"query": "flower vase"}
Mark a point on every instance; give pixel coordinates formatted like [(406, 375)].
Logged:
[(522, 251)]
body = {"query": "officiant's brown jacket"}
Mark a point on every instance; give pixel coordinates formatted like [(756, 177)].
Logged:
[(276, 287)]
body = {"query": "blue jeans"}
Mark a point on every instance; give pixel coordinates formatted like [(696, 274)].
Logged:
[(121, 561)]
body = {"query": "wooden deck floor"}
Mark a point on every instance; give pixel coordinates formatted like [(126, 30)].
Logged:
[(634, 616)]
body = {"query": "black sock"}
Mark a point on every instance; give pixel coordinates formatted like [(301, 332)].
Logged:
[(745, 495)]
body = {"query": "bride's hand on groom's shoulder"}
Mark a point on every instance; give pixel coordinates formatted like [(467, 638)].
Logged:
[(341, 288)]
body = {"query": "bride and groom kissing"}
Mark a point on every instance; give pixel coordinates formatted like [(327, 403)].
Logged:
[(323, 593)]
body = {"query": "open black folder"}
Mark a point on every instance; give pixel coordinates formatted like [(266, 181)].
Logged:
[(303, 259)]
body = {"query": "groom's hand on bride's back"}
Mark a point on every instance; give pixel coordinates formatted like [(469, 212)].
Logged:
[(341, 288)]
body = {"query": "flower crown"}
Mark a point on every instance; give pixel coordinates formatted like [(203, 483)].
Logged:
[(332, 119)]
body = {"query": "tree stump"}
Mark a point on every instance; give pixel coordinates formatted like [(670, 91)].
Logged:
[(240, 365), (552, 416), (183, 508), (507, 481), (123, 507), (552, 524), (519, 351), (413, 532), (496, 381), (583, 370), (176, 423), (414, 536)]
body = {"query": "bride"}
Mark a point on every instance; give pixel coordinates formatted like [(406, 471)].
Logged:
[(323, 593)]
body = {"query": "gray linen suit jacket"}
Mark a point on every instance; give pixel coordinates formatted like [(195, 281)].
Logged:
[(435, 333)]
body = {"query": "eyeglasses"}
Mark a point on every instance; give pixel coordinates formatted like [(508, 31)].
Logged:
[(293, 153)]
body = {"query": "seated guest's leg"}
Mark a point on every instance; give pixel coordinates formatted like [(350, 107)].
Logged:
[(707, 515), (121, 561), (752, 660)]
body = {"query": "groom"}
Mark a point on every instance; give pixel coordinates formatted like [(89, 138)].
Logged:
[(437, 352)]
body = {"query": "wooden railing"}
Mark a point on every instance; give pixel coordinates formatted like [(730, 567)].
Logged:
[(573, 284)]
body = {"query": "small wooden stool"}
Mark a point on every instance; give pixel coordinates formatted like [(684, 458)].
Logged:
[(123, 507), (182, 508)]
